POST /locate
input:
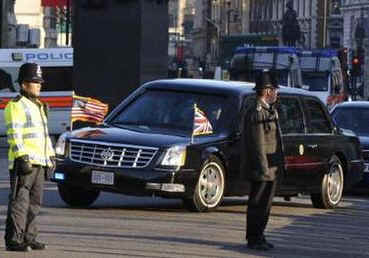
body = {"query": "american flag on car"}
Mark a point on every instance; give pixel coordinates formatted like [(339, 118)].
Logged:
[(88, 110)]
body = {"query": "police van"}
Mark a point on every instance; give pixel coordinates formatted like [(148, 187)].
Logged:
[(57, 90), (284, 60), (322, 75)]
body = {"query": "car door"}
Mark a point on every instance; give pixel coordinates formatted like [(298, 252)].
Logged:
[(292, 121), (319, 139)]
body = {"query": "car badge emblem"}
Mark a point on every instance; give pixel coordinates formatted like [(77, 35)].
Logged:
[(301, 149), (107, 154)]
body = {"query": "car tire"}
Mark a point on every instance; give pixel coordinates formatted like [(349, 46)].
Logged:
[(331, 186), (209, 189), (76, 196)]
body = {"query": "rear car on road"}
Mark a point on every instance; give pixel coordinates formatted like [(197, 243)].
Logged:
[(354, 116), (147, 146)]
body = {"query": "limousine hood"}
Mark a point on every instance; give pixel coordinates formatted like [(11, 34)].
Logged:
[(133, 137)]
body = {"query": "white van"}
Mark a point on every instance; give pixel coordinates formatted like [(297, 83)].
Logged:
[(57, 91), (322, 75)]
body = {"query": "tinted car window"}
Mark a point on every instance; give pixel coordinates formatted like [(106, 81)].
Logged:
[(355, 119), (319, 122), (290, 116), (171, 109)]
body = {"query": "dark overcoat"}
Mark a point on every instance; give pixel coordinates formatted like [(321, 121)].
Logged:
[(262, 147)]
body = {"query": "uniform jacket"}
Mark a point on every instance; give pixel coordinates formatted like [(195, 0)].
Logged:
[(263, 147), (27, 131)]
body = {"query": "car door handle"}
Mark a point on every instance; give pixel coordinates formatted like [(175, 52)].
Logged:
[(312, 146)]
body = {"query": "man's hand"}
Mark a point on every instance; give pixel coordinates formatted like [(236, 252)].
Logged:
[(23, 166), (49, 173)]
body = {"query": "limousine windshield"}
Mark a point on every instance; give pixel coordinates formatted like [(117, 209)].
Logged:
[(170, 109)]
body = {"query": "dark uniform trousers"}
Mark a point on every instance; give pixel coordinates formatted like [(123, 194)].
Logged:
[(259, 205), (25, 200)]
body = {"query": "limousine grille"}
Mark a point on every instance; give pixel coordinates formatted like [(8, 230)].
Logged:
[(110, 154), (366, 155)]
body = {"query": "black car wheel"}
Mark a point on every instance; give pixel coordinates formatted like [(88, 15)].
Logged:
[(77, 197), (209, 190), (331, 186)]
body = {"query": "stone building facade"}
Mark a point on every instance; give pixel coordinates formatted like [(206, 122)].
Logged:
[(217, 18), (214, 20), (355, 19), (313, 16)]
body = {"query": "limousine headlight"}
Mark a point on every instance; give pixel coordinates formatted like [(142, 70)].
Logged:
[(60, 144), (174, 156)]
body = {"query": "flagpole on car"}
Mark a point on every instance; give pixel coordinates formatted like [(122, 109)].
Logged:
[(193, 122), (71, 117), (71, 114)]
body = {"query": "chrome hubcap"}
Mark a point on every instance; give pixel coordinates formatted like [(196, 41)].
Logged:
[(335, 185), (211, 184)]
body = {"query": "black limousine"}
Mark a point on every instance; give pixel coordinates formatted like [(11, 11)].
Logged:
[(156, 143)]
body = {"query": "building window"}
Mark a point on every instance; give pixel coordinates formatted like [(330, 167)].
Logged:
[(298, 8), (270, 11), (171, 20), (250, 10)]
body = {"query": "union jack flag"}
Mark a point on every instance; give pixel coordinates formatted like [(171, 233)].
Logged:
[(88, 110), (201, 124)]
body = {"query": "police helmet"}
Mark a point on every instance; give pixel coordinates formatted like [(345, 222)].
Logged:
[(30, 72)]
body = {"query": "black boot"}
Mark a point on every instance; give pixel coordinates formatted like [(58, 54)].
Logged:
[(18, 247), (35, 245), (259, 245)]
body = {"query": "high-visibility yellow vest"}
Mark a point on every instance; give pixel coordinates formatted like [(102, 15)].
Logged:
[(27, 132)]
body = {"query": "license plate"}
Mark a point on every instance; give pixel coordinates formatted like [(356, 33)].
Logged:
[(102, 178)]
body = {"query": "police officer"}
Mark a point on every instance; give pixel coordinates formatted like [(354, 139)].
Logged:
[(264, 157), (30, 157)]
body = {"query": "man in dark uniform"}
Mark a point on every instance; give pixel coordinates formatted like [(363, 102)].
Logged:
[(264, 157), (31, 157)]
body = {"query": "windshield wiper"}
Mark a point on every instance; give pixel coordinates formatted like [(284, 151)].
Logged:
[(130, 124)]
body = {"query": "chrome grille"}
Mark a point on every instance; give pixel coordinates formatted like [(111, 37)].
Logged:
[(111, 154), (366, 155)]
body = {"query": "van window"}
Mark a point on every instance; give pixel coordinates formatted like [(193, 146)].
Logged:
[(319, 122), (249, 76), (290, 116), (5, 81), (57, 78), (317, 81)]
